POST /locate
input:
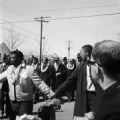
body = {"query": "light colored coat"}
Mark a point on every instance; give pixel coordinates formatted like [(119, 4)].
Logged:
[(27, 79)]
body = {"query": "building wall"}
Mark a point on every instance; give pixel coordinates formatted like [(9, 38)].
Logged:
[(3, 50)]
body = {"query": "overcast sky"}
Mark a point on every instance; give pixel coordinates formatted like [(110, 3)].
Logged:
[(80, 21)]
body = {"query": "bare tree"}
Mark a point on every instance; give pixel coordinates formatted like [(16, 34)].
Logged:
[(13, 40)]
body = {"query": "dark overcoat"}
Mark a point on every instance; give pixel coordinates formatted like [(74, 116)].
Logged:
[(48, 76), (78, 79), (62, 76)]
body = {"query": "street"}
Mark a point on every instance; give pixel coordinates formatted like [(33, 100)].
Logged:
[(65, 113)]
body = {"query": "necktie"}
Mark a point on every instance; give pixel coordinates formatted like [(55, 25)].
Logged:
[(15, 92)]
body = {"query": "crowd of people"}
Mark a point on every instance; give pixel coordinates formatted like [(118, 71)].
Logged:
[(92, 80)]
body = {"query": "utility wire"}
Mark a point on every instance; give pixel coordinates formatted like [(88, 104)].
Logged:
[(20, 28), (18, 33), (74, 17), (89, 7), (86, 16), (68, 9), (22, 21)]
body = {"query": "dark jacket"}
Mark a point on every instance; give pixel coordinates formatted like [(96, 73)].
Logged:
[(69, 72), (78, 79), (48, 76), (108, 105), (63, 75)]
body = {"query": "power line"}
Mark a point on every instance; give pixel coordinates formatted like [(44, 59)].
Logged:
[(74, 17), (20, 27), (79, 8), (85, 16), (18, 33), (88, 7), (22, 21), (68, 9)]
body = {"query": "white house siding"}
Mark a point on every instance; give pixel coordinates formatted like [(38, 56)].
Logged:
[(3, 50)]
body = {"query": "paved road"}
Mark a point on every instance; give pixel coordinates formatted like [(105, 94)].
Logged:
[(65, 113)]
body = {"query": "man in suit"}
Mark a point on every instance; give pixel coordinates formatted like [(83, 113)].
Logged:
[(47, 73), (85, 90), (71, 91), (60, 72)]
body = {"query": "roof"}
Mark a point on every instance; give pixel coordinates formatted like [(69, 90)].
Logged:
[(3, 47)]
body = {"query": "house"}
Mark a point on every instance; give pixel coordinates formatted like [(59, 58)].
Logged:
[(3, 50)]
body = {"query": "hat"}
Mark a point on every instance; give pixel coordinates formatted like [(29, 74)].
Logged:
[(65, 58)]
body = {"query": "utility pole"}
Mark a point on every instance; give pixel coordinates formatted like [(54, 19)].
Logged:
[(69, 47), (41, 20)]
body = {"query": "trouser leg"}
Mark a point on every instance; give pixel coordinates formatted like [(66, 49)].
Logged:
[(26, 107)]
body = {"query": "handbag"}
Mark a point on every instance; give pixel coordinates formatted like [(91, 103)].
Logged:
[(47, 113)]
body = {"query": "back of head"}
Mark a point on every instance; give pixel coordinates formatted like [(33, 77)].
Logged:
[(107, 55)]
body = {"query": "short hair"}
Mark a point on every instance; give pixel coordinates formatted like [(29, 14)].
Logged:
[(18, 54), (107, 54), (87, 48), (46, 59), (36, 59), (64, 58)]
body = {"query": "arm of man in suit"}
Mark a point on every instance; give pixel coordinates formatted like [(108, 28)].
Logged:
[(70, 81)]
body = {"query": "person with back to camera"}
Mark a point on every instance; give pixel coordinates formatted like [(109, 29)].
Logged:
[(106, 74)]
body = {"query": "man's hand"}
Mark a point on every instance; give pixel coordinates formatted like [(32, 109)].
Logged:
[(90, 115), (56, 102)]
